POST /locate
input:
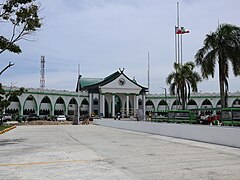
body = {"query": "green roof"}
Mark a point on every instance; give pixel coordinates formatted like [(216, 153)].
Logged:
[(89, 81), (92, 84)]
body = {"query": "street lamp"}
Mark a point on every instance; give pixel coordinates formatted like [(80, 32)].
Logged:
[(165, 93)]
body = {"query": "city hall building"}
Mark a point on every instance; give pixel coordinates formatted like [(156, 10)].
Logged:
[(106, 97)]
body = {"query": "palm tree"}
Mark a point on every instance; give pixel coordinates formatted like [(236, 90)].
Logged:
[(182, 81), (222, 47)]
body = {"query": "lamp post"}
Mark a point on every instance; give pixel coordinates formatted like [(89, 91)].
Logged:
[(165, 94), (78, 89)]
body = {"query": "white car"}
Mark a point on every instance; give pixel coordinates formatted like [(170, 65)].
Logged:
[(7, 117), (61, 118)]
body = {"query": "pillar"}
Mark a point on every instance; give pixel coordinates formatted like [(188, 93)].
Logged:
[(113, 105), (135, 104), (90, 104), (144, 106), (103, 105), (127, 102)]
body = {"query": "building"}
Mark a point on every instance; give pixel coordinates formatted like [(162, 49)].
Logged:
[(105, 97), (114, 94)]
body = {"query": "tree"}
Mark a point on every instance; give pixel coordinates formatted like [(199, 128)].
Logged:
[(182, 81), (4, 98), (22, 17), (220, 47)]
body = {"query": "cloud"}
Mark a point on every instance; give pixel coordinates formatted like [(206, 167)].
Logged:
[(103, 35)]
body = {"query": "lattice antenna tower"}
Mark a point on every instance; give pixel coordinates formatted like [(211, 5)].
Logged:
[(42, 73)]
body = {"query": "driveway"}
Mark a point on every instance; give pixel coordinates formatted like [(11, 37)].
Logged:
[(95, 152)]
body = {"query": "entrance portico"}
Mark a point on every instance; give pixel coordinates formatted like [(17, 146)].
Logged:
[(114, 94)]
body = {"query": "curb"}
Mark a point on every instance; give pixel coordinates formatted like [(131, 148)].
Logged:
[(8, 129)]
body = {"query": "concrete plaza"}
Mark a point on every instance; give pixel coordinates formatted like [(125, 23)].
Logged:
[(95, 152)]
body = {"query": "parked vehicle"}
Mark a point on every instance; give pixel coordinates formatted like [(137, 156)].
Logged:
[(61, 118), (32, 117), (7, 117)]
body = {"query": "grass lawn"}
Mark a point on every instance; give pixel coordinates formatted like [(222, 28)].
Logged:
[(4, 127)]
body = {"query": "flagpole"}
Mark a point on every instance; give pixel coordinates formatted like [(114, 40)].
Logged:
[(178, 26), (178, 42), (181, 49), (148, 72)]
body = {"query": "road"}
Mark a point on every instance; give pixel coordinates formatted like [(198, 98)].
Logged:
[(94, 152)]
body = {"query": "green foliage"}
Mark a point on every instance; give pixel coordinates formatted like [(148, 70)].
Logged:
[(182, 81), (5, 44), (220, 47), (4, 127), (24, 19)]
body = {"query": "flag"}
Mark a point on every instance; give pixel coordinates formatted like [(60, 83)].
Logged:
[(184, 30), (181, 30), (178, 30)]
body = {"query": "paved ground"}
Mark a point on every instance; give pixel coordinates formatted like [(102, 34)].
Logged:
[(94, 152)]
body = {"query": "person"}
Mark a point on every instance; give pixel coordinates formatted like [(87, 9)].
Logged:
[(119, 115)]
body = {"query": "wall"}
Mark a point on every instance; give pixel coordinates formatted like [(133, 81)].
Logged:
[(228, 136)]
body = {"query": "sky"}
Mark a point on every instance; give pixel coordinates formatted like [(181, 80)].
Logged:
[(105, 35)]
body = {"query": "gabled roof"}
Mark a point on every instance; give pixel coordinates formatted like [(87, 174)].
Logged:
[(93, 84)]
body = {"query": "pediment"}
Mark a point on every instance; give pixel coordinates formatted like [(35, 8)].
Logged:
[(121, 84)]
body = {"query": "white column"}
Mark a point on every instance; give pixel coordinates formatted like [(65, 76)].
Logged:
[(52, 109), (37, 109), (135, 104), (90, 104), (144, 106), (113, 105), (136, 98), (127, 102), (21, 109), (103, 105)]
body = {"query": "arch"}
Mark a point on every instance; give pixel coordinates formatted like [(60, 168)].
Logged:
[(84, 107), (107, 115), (15, 107), (149, 105), (192, 104), (13, 98), (162, 105), (45, 106), (59, 107), (206, 108), (176, 105), (219, 104), (140, 102), (118, 104), (236, 103), (206, 104), (30, 105), (72, 107)]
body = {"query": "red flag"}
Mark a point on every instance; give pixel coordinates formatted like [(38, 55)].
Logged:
[(178, 30)]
